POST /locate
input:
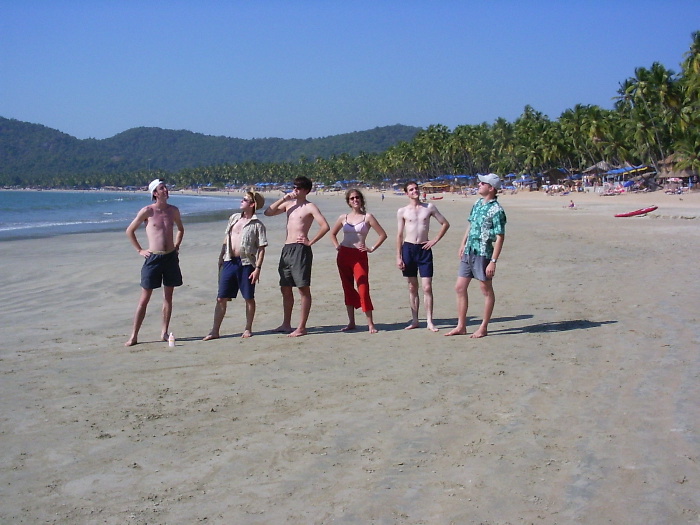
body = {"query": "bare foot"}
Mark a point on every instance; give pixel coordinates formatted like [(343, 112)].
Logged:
[(164, 337), (210, 337), (131, 342), (457, 331), (412, 326), (298, 332), (481, 332), (246, 334), (349, 327), (284, 329), (373, 329), (432, 327)]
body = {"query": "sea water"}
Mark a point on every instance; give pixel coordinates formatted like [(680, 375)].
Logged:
[(33, 214)]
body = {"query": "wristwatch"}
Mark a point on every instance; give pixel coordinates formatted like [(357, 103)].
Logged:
[(494, 261)]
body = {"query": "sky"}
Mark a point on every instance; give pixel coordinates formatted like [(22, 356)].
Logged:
[(315, 68)]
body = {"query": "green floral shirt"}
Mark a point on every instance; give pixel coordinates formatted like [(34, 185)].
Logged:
[(487, 220)]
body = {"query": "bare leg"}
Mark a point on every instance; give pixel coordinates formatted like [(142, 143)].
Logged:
[(461, 287), (219, 314), (249, 316), (413, 301), (428, 300), (489, 302), (287, 307), (167, 309), (139, 316), (370, 322), (305, 292), (351, 318)]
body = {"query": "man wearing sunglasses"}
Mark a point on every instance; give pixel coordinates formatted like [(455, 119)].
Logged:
[(296, 258), (240, 261)]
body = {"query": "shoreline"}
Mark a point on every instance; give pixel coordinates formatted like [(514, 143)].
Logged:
[(580, 404)]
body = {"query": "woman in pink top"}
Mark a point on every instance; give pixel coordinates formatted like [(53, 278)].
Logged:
[(353, 264)]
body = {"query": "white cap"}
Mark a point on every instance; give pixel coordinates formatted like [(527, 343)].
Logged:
[(492, 179), (153, 185)]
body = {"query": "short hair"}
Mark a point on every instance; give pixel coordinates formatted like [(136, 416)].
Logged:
[(304, 183), (405, 186)]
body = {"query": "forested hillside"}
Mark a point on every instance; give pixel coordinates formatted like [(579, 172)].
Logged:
[(32, 153)]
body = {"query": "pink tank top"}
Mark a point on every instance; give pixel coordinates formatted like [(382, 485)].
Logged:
[(354, 234)]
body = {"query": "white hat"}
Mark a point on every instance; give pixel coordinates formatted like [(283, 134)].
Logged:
[(492, 179), (153, 185)]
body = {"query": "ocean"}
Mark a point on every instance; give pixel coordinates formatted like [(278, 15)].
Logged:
[(35, 214)]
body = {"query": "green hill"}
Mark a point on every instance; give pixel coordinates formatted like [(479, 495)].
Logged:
[(33, 153)]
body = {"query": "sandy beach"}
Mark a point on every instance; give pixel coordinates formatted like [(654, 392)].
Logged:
[(581, 406)]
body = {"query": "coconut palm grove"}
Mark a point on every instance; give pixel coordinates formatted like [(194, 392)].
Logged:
[(655, 116)]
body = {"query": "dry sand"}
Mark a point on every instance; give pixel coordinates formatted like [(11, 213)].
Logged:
[(580, 407)]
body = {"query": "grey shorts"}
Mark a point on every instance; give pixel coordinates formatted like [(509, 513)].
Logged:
[(295, 265), (473, 266)]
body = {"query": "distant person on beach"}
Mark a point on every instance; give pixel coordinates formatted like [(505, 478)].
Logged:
[(297, 258), (480, 249), (240, 262), (162, 264), (414, 253), (352, 259)]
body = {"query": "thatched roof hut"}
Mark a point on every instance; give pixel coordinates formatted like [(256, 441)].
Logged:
[(667, 168)]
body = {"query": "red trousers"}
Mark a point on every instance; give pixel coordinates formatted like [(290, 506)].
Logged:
[(353, 267)]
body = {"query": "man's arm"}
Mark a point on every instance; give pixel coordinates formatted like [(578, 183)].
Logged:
[(180, 228), (322, 223), (401, 222), (255, 274), (464, 243), (497, 247), (443, 230), (279, 206), (141, 216)]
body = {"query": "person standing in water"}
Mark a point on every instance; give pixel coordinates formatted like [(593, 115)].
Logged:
[(162, 264), (352, 259)]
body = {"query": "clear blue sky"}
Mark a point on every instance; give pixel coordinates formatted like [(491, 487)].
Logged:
[(313, 68)]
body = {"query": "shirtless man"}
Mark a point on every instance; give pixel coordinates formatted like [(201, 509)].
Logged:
[(413, 250), (240, 261), (162, 265), (297, 257)]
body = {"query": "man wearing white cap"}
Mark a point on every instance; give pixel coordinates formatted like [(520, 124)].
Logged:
[(479, 252), (162, 265)]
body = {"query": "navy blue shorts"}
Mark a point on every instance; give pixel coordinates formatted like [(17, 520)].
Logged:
[(416, 259), (160, 269), (235, 276)]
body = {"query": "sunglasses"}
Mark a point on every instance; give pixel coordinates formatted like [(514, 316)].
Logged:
[(249, 201), (354, 198)]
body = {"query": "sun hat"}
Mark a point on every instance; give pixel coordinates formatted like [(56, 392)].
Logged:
[(259, 200), (492, 179), (153, 185)]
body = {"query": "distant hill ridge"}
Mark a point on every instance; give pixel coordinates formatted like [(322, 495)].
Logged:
[(36, 151)]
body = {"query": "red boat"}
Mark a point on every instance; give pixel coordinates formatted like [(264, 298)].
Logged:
[(640, 211)]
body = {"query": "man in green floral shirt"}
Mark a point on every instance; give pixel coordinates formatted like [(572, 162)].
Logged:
[(479, 252)]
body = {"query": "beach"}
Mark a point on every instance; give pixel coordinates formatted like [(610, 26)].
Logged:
[(581, 406)]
